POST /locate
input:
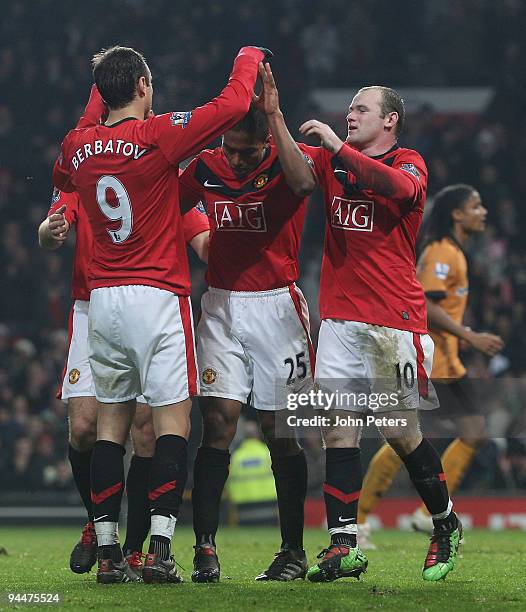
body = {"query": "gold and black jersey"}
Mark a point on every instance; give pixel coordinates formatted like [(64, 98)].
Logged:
[(443, 273)]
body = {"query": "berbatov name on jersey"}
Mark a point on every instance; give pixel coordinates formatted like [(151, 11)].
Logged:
[(369, 262), (128, 149), (255, 222)]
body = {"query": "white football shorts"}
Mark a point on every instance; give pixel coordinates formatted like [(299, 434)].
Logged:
[(374, 367), (254, 347), (141, 342), (77, 380)]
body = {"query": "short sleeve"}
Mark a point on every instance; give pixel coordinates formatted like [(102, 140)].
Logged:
[(435, 267)]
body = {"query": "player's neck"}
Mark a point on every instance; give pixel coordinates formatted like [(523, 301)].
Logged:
[(377, 148), (132, 110), (460, 235)]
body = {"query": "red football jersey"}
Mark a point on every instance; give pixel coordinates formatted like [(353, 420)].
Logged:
[(76, 215), (255, 222), (195, 221), (126, 177), (369, 263)]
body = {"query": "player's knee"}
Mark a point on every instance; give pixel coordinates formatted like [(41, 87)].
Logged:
[(82, 434), (219, 428), (404, 445), (342, 437), (143, 439)]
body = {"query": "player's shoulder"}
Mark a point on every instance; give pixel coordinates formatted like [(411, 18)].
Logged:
[(403, 155), (70, 137), (443, 250), (315, 152)]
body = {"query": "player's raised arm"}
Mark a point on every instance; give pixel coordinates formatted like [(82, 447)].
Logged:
[(94, 111), (389, 182), (180, 135), (298, 172)]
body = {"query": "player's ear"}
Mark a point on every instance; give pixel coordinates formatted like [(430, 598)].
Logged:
[(457, 214), (142, 86), (391, 119)]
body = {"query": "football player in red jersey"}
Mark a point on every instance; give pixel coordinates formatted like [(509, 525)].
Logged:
[(373, 338), (78, 392), (253, 340), (140, 326)]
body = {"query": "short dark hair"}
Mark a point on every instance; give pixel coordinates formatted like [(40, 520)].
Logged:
[(116, 71), (254, 123), (391, 102), (440, 222)]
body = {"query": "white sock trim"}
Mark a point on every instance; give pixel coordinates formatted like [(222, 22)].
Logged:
[(347, 529), (445, 514), (163, 526), (107, 533)]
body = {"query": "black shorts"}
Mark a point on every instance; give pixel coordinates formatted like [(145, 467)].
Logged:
[(458, 398)]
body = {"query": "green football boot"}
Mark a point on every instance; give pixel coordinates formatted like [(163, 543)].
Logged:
[(442, 553), (338, 561)]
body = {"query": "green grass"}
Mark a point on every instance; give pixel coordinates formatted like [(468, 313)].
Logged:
[(489, 575)]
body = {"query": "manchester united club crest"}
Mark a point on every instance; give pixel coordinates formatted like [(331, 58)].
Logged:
[(74, 376), (260, 181), (209, 376)]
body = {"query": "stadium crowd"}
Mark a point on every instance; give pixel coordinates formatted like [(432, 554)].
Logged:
[(44, 70)]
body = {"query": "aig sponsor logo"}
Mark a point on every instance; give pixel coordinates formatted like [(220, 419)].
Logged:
[(235, 217), (356, 215)]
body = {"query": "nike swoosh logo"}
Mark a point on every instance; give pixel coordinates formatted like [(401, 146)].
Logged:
[(345, 520), (98, 518), (207, 184), (344, 171)]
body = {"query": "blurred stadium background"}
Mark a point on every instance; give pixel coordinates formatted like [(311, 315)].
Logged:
[(461, 65)]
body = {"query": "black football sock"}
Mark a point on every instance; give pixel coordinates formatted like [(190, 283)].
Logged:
[(81, 467), (167, 481), (107, 487), (341, 490), (107, 480), (113, 552), (210, 475), (160, 545), (290, 476), (138, 523), (426, 473)]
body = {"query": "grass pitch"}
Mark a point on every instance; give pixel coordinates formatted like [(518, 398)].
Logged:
[(490, 575)]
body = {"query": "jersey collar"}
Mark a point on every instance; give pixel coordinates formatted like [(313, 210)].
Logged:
[(121, 121), (393, 148)]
